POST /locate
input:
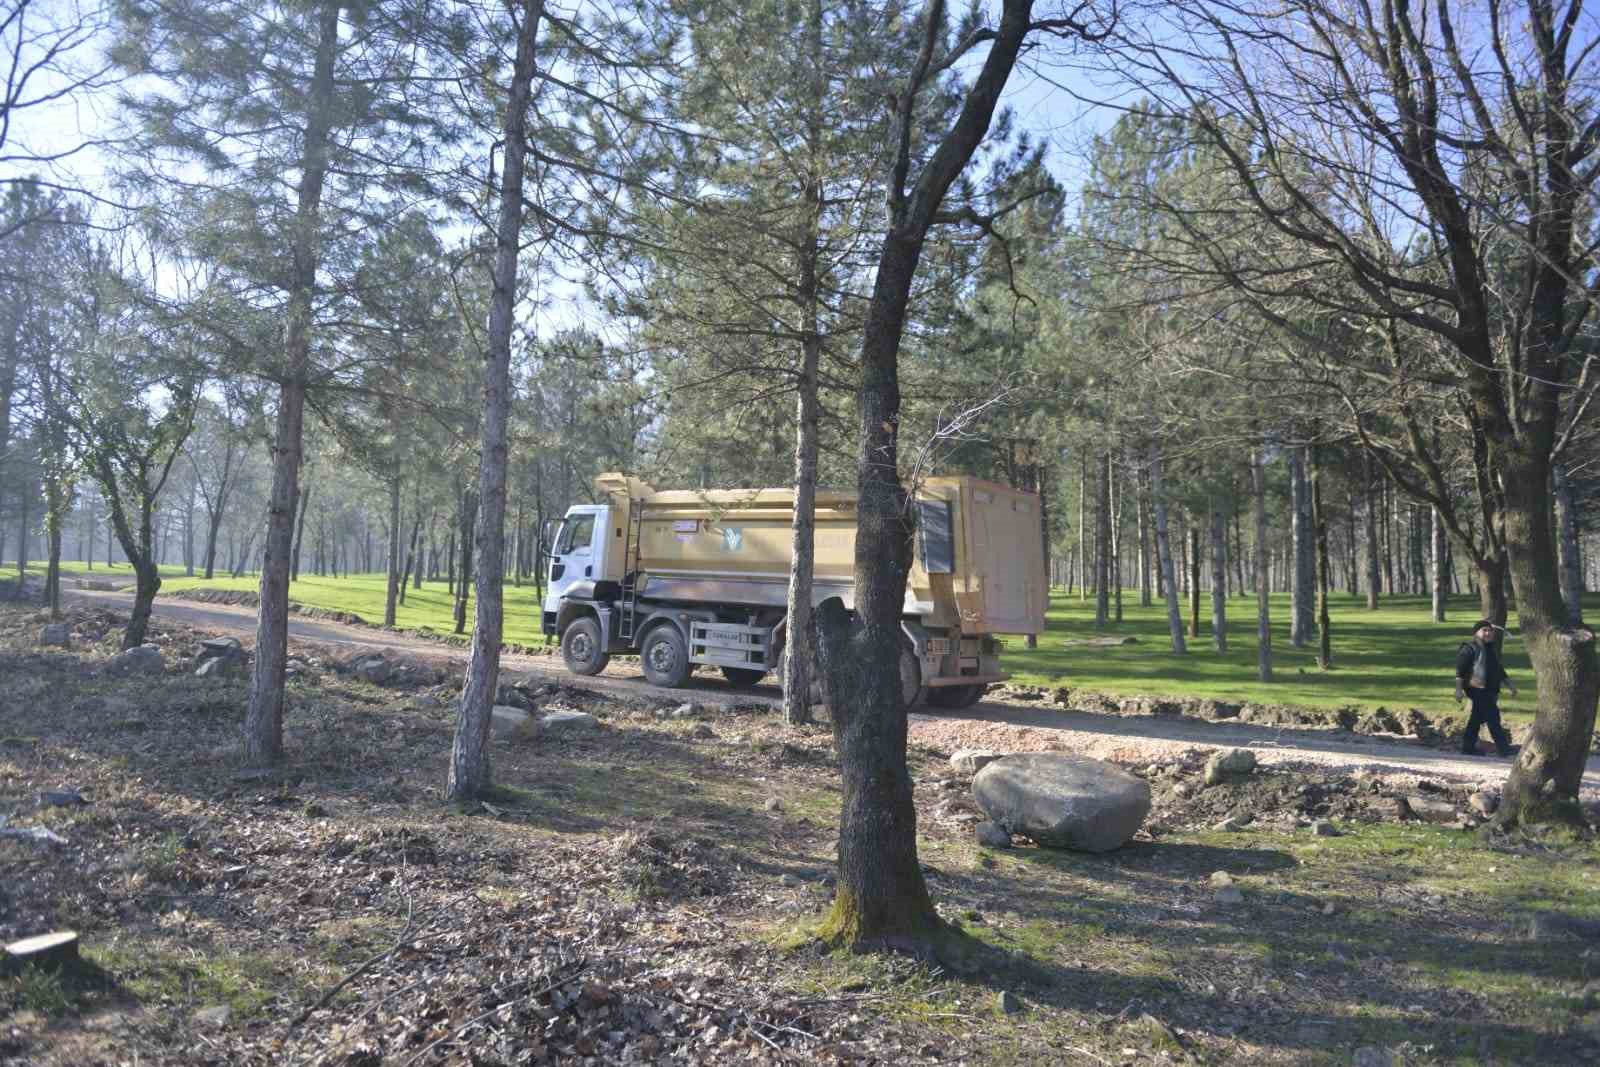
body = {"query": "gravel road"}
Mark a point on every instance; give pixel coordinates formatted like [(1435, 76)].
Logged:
[(995, 724)]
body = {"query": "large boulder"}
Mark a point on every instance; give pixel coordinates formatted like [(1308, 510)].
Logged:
[(1063, 801), (145, 659)]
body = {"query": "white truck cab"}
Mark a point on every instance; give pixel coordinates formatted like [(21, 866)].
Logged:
[(578, 554)]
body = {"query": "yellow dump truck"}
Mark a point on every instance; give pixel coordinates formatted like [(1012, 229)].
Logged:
[(686, 577)]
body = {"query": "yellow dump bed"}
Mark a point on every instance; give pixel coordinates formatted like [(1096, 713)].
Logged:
[(979, 562)]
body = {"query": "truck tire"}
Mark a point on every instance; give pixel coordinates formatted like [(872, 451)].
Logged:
[(581, 647), (955, 696), (743, 677), (665, 657)]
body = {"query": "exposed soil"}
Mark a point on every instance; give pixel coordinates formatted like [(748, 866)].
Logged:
[(625, 896)]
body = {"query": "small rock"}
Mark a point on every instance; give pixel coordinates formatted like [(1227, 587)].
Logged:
[(57, 633), (568, 722), (773, 804), (788, 881), (507, 722), (1008, 1002), (949, 783), (684, 711), (1372, 1056), (1484, 803), (972, 760), (146, 659), (993, 835), (1233, 824), (215, 1017), (216, 666), (1324, 828), (1429, 810), (1230, 895), (703, 732), (1221, 878), (1234, 763)]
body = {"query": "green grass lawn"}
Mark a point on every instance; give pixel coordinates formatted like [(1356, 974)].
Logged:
[(1395, 656), (364, 594)]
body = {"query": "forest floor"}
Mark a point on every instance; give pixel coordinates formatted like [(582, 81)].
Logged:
[(636, 893)]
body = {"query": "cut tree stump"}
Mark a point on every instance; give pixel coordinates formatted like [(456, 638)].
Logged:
[(51, 951)]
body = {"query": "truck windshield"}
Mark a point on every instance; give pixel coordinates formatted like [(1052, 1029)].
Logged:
[(576, 534)]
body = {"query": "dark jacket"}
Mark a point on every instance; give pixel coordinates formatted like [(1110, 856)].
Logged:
[(1478, 666)]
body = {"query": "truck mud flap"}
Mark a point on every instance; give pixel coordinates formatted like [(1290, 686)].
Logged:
[(727, 644)]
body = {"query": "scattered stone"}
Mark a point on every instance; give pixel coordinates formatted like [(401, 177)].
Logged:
[(52, 951), (773, 804), (214, 1017), (57, 633), (949, 783), (703, 732), (507, 722), (1229, 895), (972, 760), (1430, 810), (146, 659), (1008, 1002), (372, 667), (510, 696), (563, 721), (993, 835), (1221, 878), (684, 711), (216, 666), (1233, 824), (1234, 763), (789, 881), (1324, 828), (1372, 1056), (1063, 801), (1484, 803)]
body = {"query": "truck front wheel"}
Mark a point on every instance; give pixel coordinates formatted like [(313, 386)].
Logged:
[(581, 647), (665, 657)]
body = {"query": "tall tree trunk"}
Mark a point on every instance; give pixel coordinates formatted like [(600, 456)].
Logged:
[(391, 595), (55, 496), (881, 898), (469, 753), (1083, 524), (1302, 621), (1219, 576), (1441, 561), (1319, 519), (1194, 580), (1102, 543), (1258, 478), (1116, 511), (1166, 578), (263, 725), (1571, 565), (1374, 576), (468, 516), (1144, 541)]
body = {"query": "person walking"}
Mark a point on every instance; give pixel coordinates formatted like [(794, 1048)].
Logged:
[(1479, 675)]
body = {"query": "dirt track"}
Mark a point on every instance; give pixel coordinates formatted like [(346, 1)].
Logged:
[(995, 724)]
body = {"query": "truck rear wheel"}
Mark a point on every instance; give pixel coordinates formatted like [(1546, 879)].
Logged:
[(955, 696), (665, 657), (581, 647), (743, 677), (911, 691)]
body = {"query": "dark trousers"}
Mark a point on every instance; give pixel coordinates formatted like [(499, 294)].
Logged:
[(1485, 712)]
